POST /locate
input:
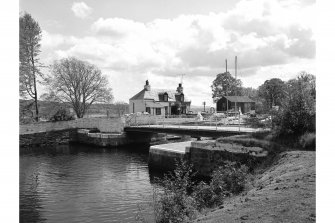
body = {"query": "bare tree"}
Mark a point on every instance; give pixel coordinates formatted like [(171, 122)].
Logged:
[(30, 37), (79, 83), (121, 107)]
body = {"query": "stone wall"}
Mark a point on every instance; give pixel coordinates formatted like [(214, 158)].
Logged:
[(116, 139), (47, 139), (206, 156), (164, 158), (115, 125)]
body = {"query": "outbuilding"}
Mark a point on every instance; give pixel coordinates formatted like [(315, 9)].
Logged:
[(235, 103)]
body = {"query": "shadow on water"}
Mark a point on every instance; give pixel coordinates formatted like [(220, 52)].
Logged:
[(75, 148), (106, 183)]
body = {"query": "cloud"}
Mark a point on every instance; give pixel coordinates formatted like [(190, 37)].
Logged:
[(266, 35), (81, 9), (51, 40)]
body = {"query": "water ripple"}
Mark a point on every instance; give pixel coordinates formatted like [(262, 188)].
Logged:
[(83, 184)]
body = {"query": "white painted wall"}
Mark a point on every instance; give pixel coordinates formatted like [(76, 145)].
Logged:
[(139, 106)]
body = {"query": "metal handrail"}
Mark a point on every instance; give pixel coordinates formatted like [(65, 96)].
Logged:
[(178, 120)]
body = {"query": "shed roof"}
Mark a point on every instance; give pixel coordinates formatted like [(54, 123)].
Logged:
[(238, 98)]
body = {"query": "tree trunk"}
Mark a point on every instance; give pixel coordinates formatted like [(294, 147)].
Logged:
[(35, 89)]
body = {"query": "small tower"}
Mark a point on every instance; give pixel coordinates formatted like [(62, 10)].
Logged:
[(147, 86), (180, 88)]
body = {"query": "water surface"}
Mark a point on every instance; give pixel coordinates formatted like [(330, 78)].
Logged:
[(79, 183)]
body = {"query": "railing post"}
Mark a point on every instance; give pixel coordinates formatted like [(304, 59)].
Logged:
[(239, 116), (216, 124)]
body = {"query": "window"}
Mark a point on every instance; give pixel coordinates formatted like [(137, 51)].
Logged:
[(165, 97), (158, 111), (182, 97), (147, 109)]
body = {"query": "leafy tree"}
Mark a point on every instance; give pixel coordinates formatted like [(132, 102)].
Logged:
[(273, 92), (298, 116), (250, 92), (29, 70), (79, 83), (225, 85)]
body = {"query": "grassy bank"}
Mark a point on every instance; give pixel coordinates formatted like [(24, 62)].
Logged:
[(284, 192), (278, 189)]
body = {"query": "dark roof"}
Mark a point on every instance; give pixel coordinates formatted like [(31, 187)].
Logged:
[(154, 93), (238, 98)]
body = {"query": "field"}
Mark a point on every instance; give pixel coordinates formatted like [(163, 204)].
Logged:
[(47, 109)]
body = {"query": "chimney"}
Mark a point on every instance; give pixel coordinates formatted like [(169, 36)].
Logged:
[(180, 88), (147, 86)]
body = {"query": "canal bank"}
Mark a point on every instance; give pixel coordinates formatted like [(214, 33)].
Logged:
[(205, 156)]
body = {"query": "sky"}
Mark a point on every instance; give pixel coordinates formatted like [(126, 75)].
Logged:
[(133, 40)]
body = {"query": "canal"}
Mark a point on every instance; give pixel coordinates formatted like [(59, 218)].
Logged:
[(79, 183)]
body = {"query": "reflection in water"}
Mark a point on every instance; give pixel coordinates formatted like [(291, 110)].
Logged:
[(79, 183)]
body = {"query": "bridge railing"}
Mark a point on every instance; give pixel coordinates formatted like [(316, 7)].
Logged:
[(214, 120)]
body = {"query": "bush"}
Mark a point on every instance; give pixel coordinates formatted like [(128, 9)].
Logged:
[(255, 122), (173, 204), (204, 196), (180, 198), (307, 141), (229, 178), (62, 114), (226, 180)]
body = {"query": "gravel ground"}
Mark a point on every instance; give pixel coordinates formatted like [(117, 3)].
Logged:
[(283, 193)]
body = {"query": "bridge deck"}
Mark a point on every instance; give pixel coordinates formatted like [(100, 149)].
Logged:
[(202, 128)]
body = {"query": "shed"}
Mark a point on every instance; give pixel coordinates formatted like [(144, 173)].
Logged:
[(243, 103)]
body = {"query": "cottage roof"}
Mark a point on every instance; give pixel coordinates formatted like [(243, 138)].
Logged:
[(238, 98), (154, 93)]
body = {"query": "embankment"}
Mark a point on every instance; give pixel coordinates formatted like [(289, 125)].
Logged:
[(114, 125), (285, 192), (103, 132)]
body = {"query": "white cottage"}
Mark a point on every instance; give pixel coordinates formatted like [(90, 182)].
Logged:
[(159, 101)]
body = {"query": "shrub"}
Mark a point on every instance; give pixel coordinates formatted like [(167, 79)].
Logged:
[(255, 122), (307, 141), (179, 199), (204, 195), (226, 180), (229, 178), (173, 204), (62, 114)]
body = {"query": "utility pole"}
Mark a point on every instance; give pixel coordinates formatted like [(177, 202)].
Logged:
[(226, 66), (236, 67), (235, 79)]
